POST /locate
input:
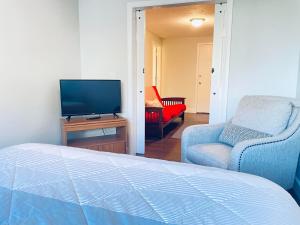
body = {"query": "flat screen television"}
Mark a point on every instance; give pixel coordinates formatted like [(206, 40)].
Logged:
[(89, 97)]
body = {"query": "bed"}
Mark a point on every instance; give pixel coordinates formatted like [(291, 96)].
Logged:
[(47, 184)]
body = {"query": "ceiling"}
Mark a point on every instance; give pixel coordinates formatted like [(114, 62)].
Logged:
[(171, 22)]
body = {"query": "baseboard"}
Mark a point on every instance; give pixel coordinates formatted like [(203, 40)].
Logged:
[(205, 113), (190, 110)]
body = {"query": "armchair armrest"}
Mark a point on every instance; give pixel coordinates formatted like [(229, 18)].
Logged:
[(274, 158), (199, 134), (173, 101)]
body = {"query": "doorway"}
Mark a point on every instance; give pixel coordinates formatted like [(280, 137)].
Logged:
[(221, 53), (181, 54)]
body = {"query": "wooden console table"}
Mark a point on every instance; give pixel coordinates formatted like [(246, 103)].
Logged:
[(109, 143)]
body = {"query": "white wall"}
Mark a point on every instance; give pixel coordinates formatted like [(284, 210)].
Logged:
[(179, 68), (103, 40), (39, 44), (265, 46), (265, 52), (265, 49)]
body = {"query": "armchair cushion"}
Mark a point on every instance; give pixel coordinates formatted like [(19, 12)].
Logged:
[(267, 115), (233, 134), (213, 154)]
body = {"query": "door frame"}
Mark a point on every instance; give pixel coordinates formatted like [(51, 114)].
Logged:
[(197, 73), (133, 89)]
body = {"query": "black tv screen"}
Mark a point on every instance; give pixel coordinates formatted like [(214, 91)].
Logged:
[(87, 97)]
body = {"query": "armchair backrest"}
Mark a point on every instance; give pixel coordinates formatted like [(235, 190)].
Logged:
[(295, 117), (268, 114)]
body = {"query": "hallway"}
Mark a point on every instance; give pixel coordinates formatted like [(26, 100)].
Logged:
[(169, 148)]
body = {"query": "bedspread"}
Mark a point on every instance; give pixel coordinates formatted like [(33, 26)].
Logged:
[(47, 184)]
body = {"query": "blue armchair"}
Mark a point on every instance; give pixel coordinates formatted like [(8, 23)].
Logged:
[(262, 139)]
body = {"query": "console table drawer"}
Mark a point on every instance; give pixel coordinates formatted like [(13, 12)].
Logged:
[(116, 143), (115, 147)]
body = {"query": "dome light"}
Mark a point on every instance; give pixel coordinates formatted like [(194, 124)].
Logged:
[(197, 22)]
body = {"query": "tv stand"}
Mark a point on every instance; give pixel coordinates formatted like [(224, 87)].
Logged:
[(94, 118), (68, 118), (116, 143), (116, 116)]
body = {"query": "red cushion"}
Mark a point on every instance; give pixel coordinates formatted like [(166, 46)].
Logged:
[(175, 110), (169, 112)]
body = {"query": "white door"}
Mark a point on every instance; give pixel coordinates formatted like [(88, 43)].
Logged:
[(140, 123), (156, 67), (220, 65), (203, 79)]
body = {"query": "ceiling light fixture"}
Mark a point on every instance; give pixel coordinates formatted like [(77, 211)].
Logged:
[(197, 22)]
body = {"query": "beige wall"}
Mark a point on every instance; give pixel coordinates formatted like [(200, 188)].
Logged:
[(179, 60), (151, 40)]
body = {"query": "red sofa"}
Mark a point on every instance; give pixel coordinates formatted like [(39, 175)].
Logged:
[(157, 118)]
